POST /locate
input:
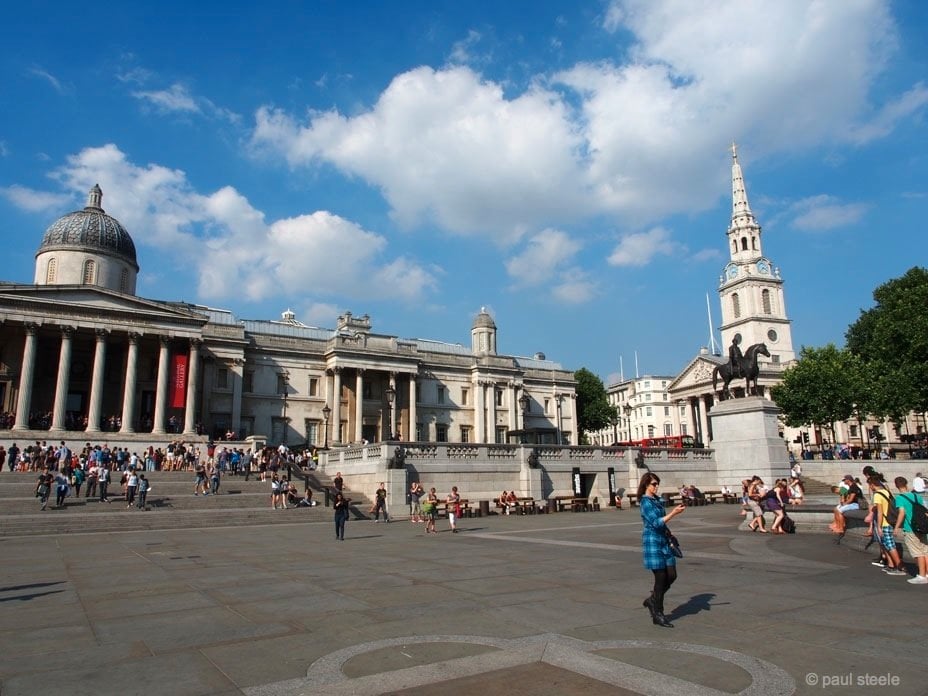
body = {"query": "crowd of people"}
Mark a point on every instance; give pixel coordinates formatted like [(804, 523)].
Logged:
[(888, 516)]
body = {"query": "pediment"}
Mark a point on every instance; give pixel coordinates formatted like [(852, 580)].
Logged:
[(84, 301), (697, 373)]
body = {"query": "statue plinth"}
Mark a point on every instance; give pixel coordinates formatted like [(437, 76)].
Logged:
[(746, 439)]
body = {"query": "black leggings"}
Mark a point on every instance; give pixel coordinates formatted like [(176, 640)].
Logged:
[(663, 579)]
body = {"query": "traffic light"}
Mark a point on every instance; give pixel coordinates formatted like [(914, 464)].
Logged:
[(805, 438)]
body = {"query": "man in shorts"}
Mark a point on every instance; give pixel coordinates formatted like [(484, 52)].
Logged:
[(917, 544)]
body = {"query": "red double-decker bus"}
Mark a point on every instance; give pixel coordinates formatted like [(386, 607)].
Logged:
[(668, 441)]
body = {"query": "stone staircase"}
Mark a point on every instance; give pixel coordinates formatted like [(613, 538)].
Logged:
[(171, 504)]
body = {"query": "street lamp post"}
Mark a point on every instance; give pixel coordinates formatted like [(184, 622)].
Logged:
[(614, 419), (557, 400), (326, 412), (391, 397), (285, 376), (628, 421), (524, 404)]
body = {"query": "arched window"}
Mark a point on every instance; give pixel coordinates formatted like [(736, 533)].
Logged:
[(765, 301), (734, 246), (754, 243), (744, 244), (90, 272), (51, 271), (124, 280), (736, 305)]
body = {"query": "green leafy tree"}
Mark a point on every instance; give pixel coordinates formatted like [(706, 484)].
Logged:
[(826, 385), (593, 409), (892, 338)]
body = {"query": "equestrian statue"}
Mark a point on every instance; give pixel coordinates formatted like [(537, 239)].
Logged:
[(739, 365)]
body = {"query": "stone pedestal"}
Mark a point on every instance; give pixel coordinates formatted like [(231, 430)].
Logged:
[(746, 440)]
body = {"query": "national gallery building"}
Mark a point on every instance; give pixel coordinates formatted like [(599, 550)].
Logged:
[(80, 352)]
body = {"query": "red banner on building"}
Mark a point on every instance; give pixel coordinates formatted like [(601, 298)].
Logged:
[(178, 381)]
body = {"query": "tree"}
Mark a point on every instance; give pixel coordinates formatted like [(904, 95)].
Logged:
[(892, 338), (826, 385), (593, 409)]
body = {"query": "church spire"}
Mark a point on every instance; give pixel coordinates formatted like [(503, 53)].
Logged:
[(743, 231), (95, 197)]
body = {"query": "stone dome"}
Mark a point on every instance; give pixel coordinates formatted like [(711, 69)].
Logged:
[(484, 320), (90, 230)]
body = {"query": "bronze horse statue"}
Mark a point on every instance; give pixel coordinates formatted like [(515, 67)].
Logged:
[(748, 369)]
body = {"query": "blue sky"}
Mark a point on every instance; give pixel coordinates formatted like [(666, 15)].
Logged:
[(565, 165)]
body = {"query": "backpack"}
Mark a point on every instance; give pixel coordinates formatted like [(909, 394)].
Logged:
[(787, 525), (892, 512), (919, 521)]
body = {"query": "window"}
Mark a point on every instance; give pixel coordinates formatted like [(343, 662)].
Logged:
[(774, 358), (744, 244), (500, 435), (441, 400), (499, 397), (765, 301), (664, 384), (248, 381), (281, 384), (668, 429), (682, 410), (650, 431), (90, 272), (683, 428), (465, 433), (853, 431), (666, 396), (647, 411), (222, 378), (124, 280), (419, 432), (464, 396), (736, 305), (314, 386), (441, 432), (547, 406), (51, 270), (312, 429), (647, 397), (666, 410), (647, 385)]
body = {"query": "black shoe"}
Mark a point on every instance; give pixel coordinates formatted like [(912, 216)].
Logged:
[(649, 605), (661, 620)]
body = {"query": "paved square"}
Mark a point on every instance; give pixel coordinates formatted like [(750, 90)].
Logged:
[(511, 605)]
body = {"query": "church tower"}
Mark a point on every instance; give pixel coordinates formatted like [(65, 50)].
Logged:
[(751, 289)]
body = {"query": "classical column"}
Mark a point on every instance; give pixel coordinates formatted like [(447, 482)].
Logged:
[(479, 421), (413, 417), (491, 415), (704, 415), (238, 378), (24, 403), (161, 394), (64, 373), (574, 421), (359, 405), (193, 375), (337, 405), (393, 404), (677, 428), (513, 406), (128, 396), (96, 384)]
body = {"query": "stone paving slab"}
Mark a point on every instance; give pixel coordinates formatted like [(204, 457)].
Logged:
[(511, 605)]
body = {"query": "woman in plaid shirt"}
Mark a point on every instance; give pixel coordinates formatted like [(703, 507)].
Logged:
[(658, 558)]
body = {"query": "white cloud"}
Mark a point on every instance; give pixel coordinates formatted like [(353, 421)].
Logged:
[(543, 254), (48, 77), (176, 98), (709, 254), (638, 249), (462, 51), (447, 146), (228, 243), (635, 141), (319, 314), (574, 287), (823, 212), (4, 149), (35, 201)]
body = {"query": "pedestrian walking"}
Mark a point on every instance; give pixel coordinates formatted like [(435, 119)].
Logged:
[(658, 556), (341, 515), (453, 503)]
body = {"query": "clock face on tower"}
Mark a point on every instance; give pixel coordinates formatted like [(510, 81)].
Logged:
[(763, 267), (732, 272)]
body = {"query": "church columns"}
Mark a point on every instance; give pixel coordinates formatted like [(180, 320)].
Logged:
[(193, 375), (96, 385), (491, 415), (413, 417), (64, 373), (392, 406), (26, 375), (161, 393), (128, 397)]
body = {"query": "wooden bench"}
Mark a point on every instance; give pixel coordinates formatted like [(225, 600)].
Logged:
[(521, 506), (441, 510)]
